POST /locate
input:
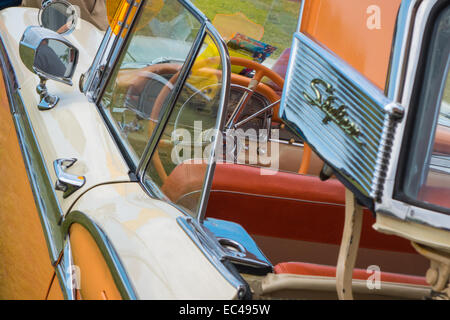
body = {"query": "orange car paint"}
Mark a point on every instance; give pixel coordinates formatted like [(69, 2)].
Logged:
[(54, 292), (25, 266), (96, 281), (347, 28)]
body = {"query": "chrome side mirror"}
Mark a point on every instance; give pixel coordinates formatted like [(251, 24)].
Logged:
[(50, 56), (58, 15)]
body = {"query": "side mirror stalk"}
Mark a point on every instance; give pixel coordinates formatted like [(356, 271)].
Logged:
[(48, 101)]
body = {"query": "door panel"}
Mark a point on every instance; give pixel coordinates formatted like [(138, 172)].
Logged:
[(25, 266), (74, 128)]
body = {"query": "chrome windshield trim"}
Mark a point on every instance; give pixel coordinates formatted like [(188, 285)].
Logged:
[(300, 16), (104, 61), (221, 115), (400, 49), (105, 246), (48, 208), (194, 10), (170, 104), (114, 53), (106, 44), (206, 29)]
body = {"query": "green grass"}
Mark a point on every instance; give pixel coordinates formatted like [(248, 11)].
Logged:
[(447, 90), (278, 17)]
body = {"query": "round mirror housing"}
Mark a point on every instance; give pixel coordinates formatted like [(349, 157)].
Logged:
[(58, 15)]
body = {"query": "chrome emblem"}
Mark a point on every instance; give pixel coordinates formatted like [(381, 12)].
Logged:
[(337, 115)]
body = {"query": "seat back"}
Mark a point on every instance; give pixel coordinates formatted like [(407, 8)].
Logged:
[(289, 206)]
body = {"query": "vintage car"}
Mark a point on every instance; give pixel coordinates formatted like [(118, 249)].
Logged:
[(253, 150)]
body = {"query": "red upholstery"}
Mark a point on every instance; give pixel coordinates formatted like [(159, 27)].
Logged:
[(283, 205), (289, 206), (442, 140), (310, 269), (436, 195)]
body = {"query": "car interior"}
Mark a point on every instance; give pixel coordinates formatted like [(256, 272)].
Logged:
[(294, 218)]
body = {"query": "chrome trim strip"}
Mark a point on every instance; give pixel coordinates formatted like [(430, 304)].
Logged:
[(167, 108), (88, 83), (64, 274), (389, 205), (194, 10), (361, 160), (279, 198), (300, 16), (400, 49), (105, 59), (118, 272), (49, 211), (119, 44), (212, 251), (221, 115)]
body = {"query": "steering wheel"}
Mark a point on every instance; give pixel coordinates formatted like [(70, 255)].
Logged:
[(252, 84)]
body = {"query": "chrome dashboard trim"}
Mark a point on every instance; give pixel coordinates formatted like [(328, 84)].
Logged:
[(356, 121)]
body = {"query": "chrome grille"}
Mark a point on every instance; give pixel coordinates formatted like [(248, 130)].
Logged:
[(362, 160)]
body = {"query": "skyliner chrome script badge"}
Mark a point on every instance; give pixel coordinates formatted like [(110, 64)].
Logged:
[(338, 115)]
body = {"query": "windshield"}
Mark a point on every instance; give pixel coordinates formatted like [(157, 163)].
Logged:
[(259, 30)]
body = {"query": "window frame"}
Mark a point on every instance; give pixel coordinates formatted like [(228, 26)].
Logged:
[(414, 106), (95, 89), (207, 29), (107, 58), (408, 48)]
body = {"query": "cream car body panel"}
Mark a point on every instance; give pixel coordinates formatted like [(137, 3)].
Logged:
[(74, 128), (154, 250)]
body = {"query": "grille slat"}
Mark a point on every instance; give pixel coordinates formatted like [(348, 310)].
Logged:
[(365, 106)]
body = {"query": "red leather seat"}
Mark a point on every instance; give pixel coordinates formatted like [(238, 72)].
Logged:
[(436, 195), (289, 206), (309, 269), (442, 140), (282, 205)]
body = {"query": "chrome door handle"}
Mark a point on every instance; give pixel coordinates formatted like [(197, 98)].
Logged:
[(66, 182)]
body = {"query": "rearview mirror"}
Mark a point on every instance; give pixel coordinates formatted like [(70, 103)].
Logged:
[(58, 15), (50, 56)]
